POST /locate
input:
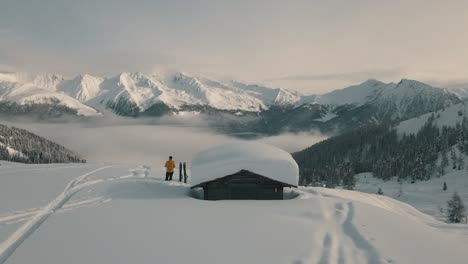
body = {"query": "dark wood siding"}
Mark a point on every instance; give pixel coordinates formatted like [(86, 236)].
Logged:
[(243, 185)]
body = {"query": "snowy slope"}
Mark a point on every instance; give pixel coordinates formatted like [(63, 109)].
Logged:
[(26, 89), (428, 196), (461, 91), (82, 87), (450, 116), (99, 214)]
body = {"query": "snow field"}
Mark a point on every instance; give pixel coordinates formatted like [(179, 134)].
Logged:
[(118, 216)]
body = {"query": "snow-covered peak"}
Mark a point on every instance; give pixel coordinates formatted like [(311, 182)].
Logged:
[(271, 96), (407, 87), (8, 77), (372, 82), (356, 94), (189, 84), (372, 90), (125, 77), (28, 89), (410, 98), (413, 85), (82, 87), (406, 90), (45, 81), (286, 97), (410, 82), (48, 81), (231, 94), (140, 89), (217, 94)]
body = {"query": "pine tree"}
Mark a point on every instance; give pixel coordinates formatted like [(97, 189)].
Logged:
[(440, 171), (444, 161), (4, 154), (460, 162), (349, 182), (461, 140), (347, 173), (455, 209), (464, 129), (380, 191), (453, 157), (400, 190), (444, 187), (443, 164)]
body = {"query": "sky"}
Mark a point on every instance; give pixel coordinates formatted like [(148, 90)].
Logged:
[(310, 46)]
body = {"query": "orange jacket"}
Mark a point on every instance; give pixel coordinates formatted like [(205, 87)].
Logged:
[(170, 165)]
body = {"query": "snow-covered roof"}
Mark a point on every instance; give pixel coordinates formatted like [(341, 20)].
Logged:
[(227, 159)]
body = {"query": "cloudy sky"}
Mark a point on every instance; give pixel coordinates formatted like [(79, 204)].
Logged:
[(312, 46)]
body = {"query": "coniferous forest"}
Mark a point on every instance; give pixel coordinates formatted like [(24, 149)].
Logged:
[(20, 145), (380, 149)]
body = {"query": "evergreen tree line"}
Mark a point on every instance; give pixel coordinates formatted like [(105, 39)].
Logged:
[(42, 110), (381, 150), (32, 148)]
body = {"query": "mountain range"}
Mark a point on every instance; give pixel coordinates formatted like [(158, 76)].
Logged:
[(235, 107), (141, 90)]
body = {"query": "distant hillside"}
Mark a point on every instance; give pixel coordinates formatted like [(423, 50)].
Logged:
[(386, 153), (19, 145), (449, 117)]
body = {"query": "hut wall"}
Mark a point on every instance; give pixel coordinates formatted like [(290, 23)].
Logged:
[(243, 186)]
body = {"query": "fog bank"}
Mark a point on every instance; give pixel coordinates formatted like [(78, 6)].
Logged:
[(147, 144)]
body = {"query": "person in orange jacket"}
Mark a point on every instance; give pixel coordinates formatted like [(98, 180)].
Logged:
[(170, 166)]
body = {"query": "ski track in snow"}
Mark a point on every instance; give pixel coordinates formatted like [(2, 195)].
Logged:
[(21, 234), (371, 254), (23, 215), (339, 232)]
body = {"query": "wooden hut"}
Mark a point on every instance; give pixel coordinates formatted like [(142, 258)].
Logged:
[(244, 171)]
